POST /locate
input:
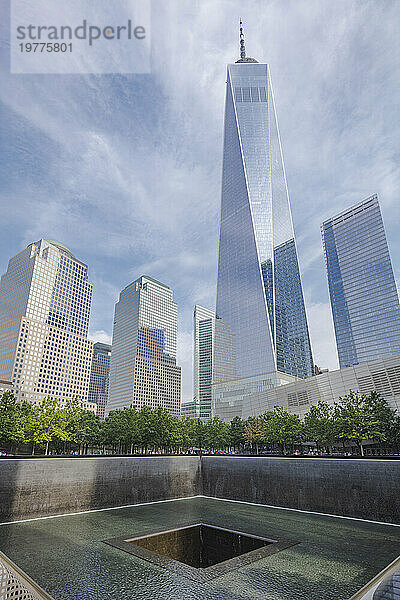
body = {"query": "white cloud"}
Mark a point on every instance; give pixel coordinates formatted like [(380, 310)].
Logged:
[(100, 336), (126, 171)]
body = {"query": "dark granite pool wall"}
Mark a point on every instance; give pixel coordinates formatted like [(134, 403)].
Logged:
[(367, 489), (40, 487)]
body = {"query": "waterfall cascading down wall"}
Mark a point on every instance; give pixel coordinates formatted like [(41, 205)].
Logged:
[(365, 489), (41, 487)]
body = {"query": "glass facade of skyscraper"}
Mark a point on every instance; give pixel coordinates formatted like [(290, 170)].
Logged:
[(362, 288), (204, 328), (45, 302), (259, 293), (99, 377), (143, 369), (189, 409)]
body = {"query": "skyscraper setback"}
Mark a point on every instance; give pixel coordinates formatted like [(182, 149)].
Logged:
[(363, 293), (259, 293), (45, 302)]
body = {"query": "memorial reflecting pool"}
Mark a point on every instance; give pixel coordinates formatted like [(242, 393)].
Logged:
[(325, 557)]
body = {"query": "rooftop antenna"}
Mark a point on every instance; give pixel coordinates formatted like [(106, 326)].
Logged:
[(243, 58), (241, 38)]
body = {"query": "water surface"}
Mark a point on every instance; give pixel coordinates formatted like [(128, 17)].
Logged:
[(333, 559)]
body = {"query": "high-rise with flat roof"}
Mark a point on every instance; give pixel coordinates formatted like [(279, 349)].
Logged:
[(99, 377), (45, 302), (204, 328), (260, 309), (143, 370), (362, 288)]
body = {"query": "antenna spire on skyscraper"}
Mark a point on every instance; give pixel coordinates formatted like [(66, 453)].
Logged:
[(241, 39), (243, 58)]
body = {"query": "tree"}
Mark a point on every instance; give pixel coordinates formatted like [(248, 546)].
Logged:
[(236, 432), (254, 431), (216, 434), (282, 427), (356, 420), (72, 410), (110, 428), (178, 433), (13, 420), (47, 422), (122, 428), (146, 426), (319, 424), (132, 424), (385, 416), (86, 430), (185, 432), (162, 427), (198, 433), (9, 419), (393, 433)]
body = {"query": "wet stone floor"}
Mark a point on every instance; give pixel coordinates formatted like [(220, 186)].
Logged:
[(331, 560)]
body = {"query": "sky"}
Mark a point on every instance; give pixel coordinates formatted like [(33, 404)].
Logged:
[(125, 170)]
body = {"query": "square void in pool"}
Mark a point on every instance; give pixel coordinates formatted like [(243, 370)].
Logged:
[(200, 551)]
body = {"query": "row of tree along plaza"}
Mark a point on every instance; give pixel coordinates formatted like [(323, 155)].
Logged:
[(356, 423)]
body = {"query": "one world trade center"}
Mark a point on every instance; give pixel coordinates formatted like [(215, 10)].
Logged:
[(261, 336)]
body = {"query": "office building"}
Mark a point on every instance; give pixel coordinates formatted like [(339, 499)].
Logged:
[(99, 377), (143, 370), (189, 409), (204, 327), (45, 299), (381, 375), (260, 304), (362, 288)]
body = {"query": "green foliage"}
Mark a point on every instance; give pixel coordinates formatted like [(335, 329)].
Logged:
[(185, 432), (47, 422), (121, 427), (354, 419), (146, 424), (384, 416), (197, 433), (319, 424), (83, 426), (162, 428), (254, 431), (13, 420), (393, 432), (282, 427), (86, 429), (216, 434), (236, 432)]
